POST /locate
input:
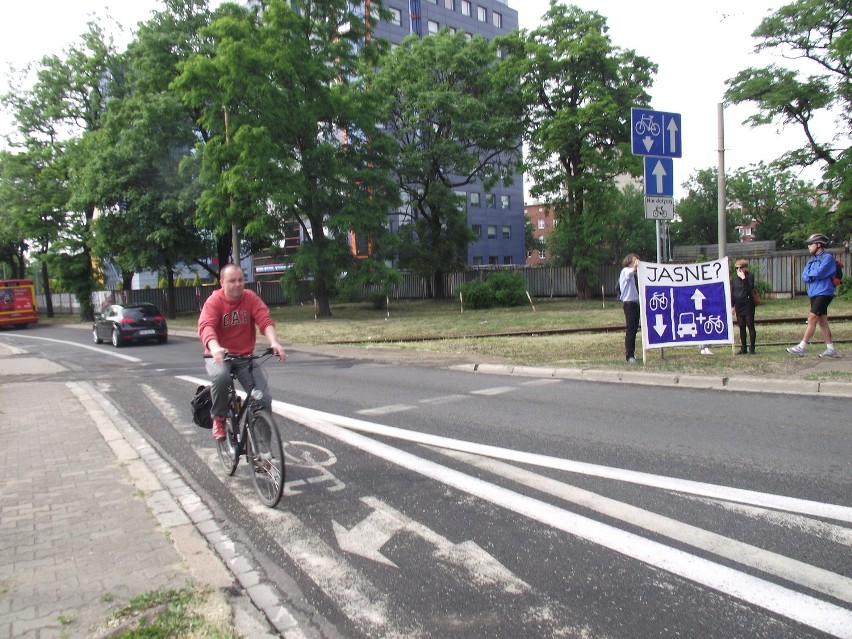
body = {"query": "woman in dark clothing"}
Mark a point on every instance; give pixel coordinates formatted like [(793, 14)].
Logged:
[(741, 286)]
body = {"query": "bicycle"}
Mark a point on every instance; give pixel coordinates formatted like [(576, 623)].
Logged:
[(251, 431)]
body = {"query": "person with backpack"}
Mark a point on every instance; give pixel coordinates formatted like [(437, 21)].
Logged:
[(818, 274), (628, 287)]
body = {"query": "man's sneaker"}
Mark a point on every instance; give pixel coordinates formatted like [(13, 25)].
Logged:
[(705, 350), (796, 350), (631, 360), (828, 352), (219, 428)]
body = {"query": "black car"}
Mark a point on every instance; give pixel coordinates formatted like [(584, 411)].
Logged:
[(125, 323)]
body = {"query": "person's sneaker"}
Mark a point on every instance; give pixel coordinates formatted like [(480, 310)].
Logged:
[(705, 350), (828, 352), (796, 350), (631, 360), (219, 428)]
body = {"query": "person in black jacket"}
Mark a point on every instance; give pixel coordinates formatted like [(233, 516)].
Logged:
[(741, 286)]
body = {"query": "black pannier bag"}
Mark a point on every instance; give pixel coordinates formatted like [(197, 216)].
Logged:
[(201, 405)]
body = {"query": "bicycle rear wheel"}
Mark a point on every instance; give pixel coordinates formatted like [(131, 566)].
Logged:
[(229, 448), (266, 457)]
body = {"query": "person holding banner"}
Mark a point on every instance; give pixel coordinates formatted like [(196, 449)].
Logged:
[(742, 302), (628, 285)]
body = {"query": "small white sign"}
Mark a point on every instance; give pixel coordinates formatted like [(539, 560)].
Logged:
[(659, 208)]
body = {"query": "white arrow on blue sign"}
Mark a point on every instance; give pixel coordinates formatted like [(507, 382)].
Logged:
[(659, 176), (655, 133)]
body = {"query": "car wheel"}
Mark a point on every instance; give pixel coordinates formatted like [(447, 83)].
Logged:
[(116, 337), (163, 339), (95, 337)]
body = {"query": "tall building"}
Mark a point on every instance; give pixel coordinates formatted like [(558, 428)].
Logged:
[(496, 217)]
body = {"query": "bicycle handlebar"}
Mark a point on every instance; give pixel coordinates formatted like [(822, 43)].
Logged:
[(230, 356)]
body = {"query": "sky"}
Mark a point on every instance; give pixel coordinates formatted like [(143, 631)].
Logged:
[(697, 46)]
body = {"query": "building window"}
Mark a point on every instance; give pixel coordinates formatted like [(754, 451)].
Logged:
[(474, 200), (504, 201), (468, 36), (432, 26), (540, 224), (507, 232), (554, 222), (492, 232), (432, 1), (529, 254), (492, 259), (490, 201), (465, 7), (477, 260), (450, 4), (396, 17), (542, 254), (481, 14), (507, 259), (477, 230), (497, 19)]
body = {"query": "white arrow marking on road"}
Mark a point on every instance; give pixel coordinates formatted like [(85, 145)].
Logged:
[(648, 141), (698, 299), (368, 536), (659, 172), (672, 127), (658, 324)]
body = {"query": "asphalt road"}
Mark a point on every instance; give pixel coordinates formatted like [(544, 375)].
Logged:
[(426, 502)]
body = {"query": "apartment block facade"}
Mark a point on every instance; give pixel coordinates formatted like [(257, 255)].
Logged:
[(496, 217)]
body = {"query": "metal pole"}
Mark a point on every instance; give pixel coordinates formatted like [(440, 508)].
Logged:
[(723, 204)]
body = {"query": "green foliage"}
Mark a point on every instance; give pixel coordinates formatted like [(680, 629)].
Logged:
[(698, 212), (454, 115), (502, 288), (579, 89), (814, 32)]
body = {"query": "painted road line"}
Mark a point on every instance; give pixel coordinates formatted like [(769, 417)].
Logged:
[(799, 607), (798, 572)]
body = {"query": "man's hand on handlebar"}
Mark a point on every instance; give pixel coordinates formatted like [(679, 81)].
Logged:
[(279, 351)]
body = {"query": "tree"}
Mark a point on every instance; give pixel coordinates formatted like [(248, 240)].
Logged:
[(67, 102), (146, 202), (815, 32), (454, 115), (294, 135), (785, 208), (579, 88), (698, 212), (33, 190)]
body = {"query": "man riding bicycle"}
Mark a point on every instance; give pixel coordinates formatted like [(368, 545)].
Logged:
[(229, 322)]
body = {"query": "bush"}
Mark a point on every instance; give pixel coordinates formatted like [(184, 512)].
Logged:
[(503, 288)]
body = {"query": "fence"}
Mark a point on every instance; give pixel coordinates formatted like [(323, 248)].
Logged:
[(781, 271)]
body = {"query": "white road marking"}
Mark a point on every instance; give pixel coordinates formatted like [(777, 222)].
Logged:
[(818, 579), (497, 390), (98, 349), (802, 608), (541, 382), (445, 399), (386, 410)]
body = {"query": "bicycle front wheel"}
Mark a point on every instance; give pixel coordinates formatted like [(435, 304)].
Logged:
[(229, 448), (266, 456)]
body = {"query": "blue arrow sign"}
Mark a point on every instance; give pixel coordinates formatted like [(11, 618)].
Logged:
[(655, 133), (659, 176)]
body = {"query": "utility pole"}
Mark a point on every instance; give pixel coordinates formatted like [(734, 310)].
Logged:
[(723, 203), (235, 235)]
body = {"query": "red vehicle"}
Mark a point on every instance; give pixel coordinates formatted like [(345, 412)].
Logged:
[(17, 303)]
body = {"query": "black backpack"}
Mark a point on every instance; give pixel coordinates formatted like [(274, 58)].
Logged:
[(201, 405)]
